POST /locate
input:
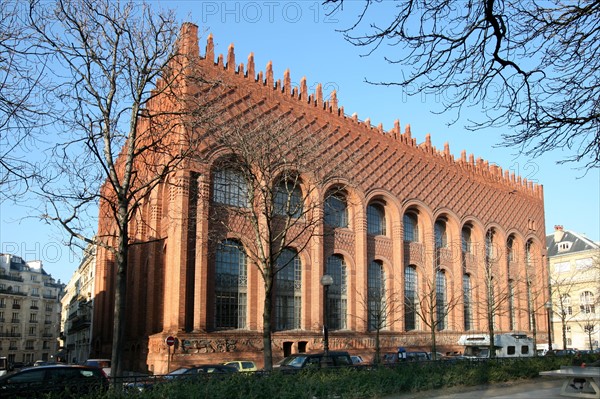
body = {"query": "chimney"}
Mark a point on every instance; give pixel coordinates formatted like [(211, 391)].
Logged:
[(558, 233)]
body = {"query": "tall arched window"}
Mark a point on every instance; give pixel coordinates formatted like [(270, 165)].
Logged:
[(288, 199), (376, 296), (288, 291), (411, 227), (440, 300), (467, 303), (441, 237), (230, 285), (489, 245), (336, 210), (375, 219), (511, 306), (466, 239), (510, 254), (410, 298), (230, 188), (337, 293)]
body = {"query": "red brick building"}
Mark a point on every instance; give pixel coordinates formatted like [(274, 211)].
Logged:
[(407, 217)]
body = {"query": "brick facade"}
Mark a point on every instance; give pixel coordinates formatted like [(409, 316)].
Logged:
[(171, 278)]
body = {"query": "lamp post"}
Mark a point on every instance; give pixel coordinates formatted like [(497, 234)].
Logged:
[(326, 281), (548, 306)]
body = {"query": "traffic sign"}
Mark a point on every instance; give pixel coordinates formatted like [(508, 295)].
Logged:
[(170, 340)]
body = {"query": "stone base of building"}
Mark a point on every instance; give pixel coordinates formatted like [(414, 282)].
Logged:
[(219, 347)]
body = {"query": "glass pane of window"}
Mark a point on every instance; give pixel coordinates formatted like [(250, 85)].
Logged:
[(440, 300), (230, 285), (376, 296), (410, 298), (375, 219), (336, 295), (288, 199), (230, 188), (467, 313), (466, 239), (336, 211), (288, 291), (441, 239), (411, 232)]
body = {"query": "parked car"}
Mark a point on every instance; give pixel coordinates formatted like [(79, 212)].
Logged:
[(188, 371), (315, 360), (242, 365), (357, 359), (103, 364), (68, 381)]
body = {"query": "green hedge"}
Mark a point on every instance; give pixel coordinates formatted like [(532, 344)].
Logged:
[(361, 382)]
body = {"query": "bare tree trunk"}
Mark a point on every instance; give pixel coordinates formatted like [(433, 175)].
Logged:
[(266, 333)]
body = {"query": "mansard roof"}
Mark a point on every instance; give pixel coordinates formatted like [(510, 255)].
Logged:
[(572, 242), (281, 91)]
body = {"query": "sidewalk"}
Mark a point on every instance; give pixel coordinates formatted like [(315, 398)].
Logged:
[(539, 388)]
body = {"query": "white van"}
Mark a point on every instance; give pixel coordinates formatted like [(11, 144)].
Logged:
[(509, 345)]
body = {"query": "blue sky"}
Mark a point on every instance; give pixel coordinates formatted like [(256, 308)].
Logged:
[(303, 36)]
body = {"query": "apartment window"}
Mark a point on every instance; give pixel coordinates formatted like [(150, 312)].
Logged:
[(230, 188), (34, 304), (32, 330), (288, 291), (586, 300), (336, 211), (375, 219), (376, 296), (15, 317), (33, 317), (230, 285), (410, 298), (35, 291), (337, 293)]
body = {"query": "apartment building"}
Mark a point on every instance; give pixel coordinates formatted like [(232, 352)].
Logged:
[(77, 309), (29, 311), (574, 262)]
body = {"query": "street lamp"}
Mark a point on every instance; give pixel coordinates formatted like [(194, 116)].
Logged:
[(548, 306), (326, 281)]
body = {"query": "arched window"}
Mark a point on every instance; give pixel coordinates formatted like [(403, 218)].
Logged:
[(489, 245), (510, 253), (440, 300), (230, 188), (336, 210), (230, 285), (288, 291), (441, 238), (375, 219), (411, 227), (376, 296), (467, 303), (466, 239), (586, 301), (288, 199), (337, 293), (410, 298)]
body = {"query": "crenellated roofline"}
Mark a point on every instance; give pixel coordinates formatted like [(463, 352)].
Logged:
[(188, 43)]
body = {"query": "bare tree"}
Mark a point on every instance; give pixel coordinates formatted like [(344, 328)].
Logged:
[(109, 65), (531, 65), (562, 289), (19, 115), (278, 169), (379, 307)]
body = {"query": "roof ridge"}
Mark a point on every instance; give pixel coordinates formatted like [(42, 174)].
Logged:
[(477, 166)]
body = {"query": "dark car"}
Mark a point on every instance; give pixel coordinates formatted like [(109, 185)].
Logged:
[(201, 369), (70, 381), (300, 361)]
